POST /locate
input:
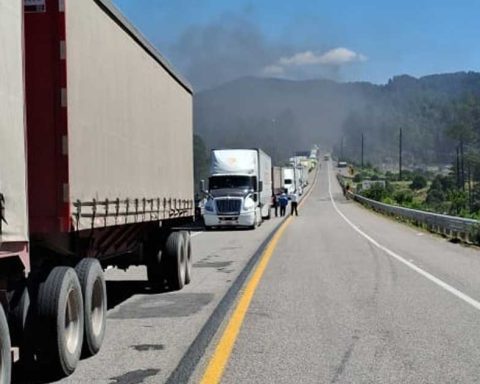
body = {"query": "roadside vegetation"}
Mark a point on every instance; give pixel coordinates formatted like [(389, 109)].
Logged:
[(418, 189)]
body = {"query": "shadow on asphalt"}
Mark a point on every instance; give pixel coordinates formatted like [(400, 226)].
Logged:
[(119, 291)]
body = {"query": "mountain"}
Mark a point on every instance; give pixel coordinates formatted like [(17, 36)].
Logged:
[(282, 116)]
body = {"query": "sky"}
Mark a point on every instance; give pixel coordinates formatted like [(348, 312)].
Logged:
[(215, 41)]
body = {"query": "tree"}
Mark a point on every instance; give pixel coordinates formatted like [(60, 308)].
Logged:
[(418, 182)]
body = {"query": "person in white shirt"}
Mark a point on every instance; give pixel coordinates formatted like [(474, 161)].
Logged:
[(294, 203)]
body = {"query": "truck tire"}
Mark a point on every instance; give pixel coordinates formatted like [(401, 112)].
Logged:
[(94, 291), (175, 261), (60, 319), (5, 354), (188, 257), (17, 316), (156, 270), (269, 215)]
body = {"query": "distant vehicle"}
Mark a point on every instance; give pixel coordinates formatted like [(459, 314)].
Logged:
[(326, 157), (342, 164), (289, 180), (239, 188)]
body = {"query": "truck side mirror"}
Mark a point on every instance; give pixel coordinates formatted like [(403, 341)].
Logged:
[(260, 186)]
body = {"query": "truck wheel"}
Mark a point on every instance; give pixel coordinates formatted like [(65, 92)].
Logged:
[(175, 260), (156, 270), (94, 291), (5, 354), (60, 317), (188, 257), (17, 316)]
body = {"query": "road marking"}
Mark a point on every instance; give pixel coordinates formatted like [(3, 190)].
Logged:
[(216, 366), (218, 362), (459, 294)]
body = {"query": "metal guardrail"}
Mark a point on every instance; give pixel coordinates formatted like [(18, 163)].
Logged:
[(450, 226)]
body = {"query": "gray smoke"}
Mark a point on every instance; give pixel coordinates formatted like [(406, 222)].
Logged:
[(224, 50)]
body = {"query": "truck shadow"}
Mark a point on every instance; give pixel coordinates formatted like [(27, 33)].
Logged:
[(120, 291)]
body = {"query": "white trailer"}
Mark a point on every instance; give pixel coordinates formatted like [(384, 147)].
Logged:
[(13, 192), (240, 188)]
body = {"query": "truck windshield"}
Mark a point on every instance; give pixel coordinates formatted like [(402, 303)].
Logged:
[(288, 181), (232, 182)]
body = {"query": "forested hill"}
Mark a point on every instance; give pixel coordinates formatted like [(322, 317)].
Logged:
[(278, 114)]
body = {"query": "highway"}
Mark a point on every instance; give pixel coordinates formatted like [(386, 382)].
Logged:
[(335, 307), (346, 296)]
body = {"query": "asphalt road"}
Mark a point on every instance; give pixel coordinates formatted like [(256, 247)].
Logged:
[(339, 306), (148, 334), (349, 296)]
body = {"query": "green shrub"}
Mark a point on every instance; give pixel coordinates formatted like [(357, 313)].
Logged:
[(358, 178), (403, 197), (418, 182)]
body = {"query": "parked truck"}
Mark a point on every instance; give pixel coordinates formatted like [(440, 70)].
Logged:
[(289, 181), (239, 188), (92, 120)]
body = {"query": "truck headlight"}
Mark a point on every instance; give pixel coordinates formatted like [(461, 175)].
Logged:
[(249, 204)]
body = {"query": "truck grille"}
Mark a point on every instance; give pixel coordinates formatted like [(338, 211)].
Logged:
[(228, 206)]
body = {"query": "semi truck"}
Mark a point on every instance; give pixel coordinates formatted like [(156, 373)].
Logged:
[(239, 188), (93, 117), (289, 182)]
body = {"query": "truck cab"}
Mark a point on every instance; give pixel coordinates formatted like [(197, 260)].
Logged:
[(239, 189)]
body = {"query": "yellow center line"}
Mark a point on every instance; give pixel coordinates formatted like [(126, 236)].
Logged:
[(215, 368)]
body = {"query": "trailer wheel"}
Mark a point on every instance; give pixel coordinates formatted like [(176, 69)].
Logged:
[(5, 355), (188, 257), (156, 270), (60, 317), (94, 291), (175, 260), (17, 316), (269, 215)]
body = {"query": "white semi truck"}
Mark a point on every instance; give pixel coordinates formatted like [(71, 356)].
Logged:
[(239, 188), (289, 184)]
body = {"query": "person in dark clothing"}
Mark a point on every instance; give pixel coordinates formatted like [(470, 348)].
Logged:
[(275, 204), (283, 202)]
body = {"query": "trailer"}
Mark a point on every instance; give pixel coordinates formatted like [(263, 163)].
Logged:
[(86, 175), (277, 181), (14, 258)]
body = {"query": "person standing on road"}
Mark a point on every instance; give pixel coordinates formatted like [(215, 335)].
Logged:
[(283, 202), (294, 205), (275, 204)]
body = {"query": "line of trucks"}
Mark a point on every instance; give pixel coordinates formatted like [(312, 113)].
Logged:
[(243, 185), (96, 170)]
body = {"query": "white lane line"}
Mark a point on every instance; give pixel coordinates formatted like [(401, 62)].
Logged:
[(462, 296)]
